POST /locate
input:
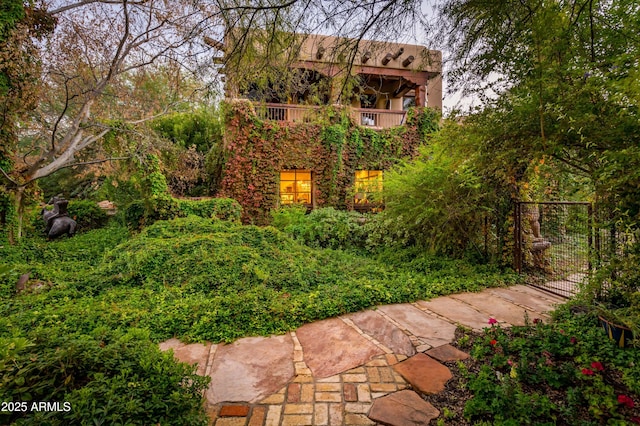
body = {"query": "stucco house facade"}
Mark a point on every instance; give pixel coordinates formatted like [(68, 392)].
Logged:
[(328, 139)]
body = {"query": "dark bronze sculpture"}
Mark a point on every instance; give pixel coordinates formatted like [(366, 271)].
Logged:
[(57, 221)]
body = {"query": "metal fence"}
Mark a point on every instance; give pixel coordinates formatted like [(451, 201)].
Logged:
[(554, 243)]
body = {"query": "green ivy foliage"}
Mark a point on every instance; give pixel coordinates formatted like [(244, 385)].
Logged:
[(323, 228), (204, 279), (201, 128), (85, 329), (139, 215)]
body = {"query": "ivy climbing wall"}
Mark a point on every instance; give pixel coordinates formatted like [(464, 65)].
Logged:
[(331, 146)]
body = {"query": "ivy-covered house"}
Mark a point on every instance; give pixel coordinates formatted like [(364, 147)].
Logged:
[(326, 137)]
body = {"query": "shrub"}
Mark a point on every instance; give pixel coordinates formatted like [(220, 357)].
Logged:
[(8, 278), (566, 372), (289, 215), (107, 377), (322, 228), (221, 208), (87, 214), (144, 213), (437, 201), (134, 214)]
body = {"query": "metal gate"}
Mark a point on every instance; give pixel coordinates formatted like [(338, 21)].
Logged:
[(553, 242)]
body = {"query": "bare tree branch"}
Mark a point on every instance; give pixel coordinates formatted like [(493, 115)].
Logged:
[(88, 2)]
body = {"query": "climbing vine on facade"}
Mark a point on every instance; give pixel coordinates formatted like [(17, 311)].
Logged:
[(331, 146)]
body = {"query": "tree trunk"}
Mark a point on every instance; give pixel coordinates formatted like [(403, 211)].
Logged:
[(15, 230)]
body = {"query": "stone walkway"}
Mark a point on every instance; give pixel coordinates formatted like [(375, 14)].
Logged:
[(365, 368)]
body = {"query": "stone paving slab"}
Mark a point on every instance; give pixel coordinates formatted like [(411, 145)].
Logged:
[(534, 303), (447, 353), (337, 371), (539, 294), (458, 311), (376, 326), (194, 353), (404, 408), (430, 329), (250, 369), (496, 307), (331, 347), (424, 373)]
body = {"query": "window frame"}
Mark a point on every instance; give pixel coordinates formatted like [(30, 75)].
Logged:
[(365, 183), (295, 192)]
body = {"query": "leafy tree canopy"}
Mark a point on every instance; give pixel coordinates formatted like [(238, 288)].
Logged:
[(566, 76)]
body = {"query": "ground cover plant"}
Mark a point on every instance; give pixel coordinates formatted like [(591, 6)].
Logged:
[(204, 279), (565, 372), (97, 305)]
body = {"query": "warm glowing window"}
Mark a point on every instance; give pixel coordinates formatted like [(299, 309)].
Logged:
[(368, 183), (295, 187)]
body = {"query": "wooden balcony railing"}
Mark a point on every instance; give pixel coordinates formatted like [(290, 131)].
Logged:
[(378, 118), (375, 118), (286, 112)]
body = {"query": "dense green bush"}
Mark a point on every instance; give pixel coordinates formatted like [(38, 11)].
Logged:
[(87, 214), (290, 215), (107, 377), (322, 228), (8, 278), (144, 213), (438, 201), (200, 128), (221, 208)]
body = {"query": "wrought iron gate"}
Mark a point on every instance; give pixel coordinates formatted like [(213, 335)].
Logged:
[(553, 242)]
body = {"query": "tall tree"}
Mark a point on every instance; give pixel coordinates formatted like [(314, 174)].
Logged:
[(565, 72), (94, 49)]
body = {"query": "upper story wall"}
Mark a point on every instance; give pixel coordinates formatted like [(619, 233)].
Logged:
[(332, 147), (391, 71), (385, 56)]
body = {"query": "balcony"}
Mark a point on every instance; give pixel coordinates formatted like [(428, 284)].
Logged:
[(366, 117)]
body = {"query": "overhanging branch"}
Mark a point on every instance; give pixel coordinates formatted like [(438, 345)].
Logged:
[(7, 177)]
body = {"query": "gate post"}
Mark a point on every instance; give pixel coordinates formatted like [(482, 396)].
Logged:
[(590, 251), (517, 237)]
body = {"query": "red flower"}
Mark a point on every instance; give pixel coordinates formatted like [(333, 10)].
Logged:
[(597, 366), (588, 372), (537, 321), (574, 340), (493, 342), (625, 400), (635, 420), (492, 321)]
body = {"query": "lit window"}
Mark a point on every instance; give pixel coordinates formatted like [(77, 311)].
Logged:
[(295, 187), (368, 183)]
